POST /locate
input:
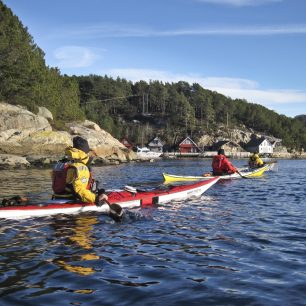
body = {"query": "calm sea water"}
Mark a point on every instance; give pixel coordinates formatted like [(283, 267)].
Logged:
[(242, 243)]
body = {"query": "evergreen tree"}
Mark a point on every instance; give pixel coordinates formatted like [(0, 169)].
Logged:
[(24, 77)]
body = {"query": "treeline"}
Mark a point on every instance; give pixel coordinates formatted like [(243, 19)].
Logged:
[(176, 109), (138, 110)]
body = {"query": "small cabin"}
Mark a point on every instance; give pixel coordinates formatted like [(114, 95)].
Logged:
[(188, 146), (259, 145), (156, 145)]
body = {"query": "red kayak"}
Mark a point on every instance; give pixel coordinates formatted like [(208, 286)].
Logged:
[(128, 198)]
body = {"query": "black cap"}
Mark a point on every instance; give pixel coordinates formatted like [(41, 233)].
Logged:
[(81, 144), (221, 151)]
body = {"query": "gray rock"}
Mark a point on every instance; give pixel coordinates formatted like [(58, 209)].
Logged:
[(26, 134), (44, 112), (12, 161)]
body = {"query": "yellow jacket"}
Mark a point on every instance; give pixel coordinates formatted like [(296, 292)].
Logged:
[(78, 174), (255, 161)]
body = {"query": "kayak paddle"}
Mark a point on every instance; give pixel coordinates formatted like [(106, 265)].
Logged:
[(115, 210), (243, 176)]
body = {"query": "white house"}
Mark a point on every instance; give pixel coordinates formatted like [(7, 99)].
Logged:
[(156, 145), (260, 145)]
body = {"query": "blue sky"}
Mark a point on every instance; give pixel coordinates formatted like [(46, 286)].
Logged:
[(250, 49)]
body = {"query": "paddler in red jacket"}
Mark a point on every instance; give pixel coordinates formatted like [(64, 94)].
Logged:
[(221, 165)]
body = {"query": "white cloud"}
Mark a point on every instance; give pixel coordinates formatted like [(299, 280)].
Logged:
[(74, 57), (271, 97), (228, 83), (236, 88), (245, 31), (240, 2), (165, 76), (107, 30), (111, 30)]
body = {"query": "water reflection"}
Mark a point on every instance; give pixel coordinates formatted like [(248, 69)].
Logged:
[(77, 232)]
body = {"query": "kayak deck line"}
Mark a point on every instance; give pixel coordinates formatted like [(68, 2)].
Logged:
[(126, 199)]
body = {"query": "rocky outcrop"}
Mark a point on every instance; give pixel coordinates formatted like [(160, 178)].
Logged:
[(16, 123), (39, 142), (239, 136), (235, 135), (13, 161), (31, 137), (104, 145), (44, 112)]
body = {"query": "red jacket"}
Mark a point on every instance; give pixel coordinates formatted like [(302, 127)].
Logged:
[(221, 165)]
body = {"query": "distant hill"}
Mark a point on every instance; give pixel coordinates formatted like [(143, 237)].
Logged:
[(142, 110)]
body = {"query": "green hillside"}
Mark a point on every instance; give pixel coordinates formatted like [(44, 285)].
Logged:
[(173, 110)]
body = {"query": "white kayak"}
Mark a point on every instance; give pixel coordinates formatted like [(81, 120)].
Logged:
[(129, 198)]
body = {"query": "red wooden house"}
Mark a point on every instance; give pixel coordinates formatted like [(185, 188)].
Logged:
[(188, 146), (126, 143)]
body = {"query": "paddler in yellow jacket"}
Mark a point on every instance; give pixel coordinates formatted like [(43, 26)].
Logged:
[(72, 177), (255, 161)]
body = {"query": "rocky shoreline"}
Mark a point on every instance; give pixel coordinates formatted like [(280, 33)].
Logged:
[(10, 161), (27, 140)]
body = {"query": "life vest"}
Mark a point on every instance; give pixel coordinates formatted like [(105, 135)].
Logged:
[(59, 178), (252, 163), (217, 164), (255, 161)]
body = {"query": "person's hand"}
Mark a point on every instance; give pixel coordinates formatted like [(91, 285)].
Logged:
[(103, 197), (207, 174)]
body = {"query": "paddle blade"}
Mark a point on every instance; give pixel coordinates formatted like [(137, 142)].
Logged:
[(116, 212)]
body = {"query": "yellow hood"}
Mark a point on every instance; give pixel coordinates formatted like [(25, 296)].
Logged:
[(76, 155)]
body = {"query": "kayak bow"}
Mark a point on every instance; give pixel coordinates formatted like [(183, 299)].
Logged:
[(125, 198)]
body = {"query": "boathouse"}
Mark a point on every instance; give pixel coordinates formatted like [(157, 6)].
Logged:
[(188, 146)]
